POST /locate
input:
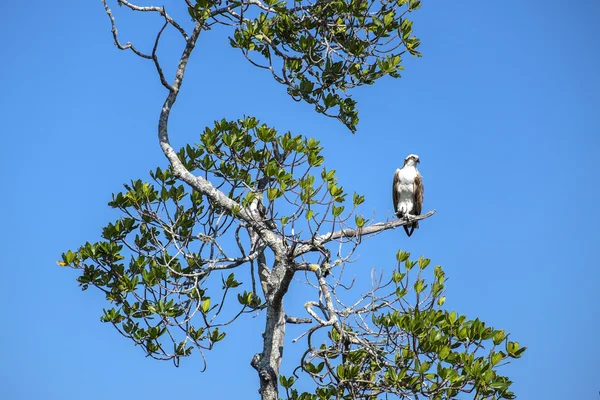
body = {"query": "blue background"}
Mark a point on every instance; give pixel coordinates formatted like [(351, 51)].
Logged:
[(503, 109)]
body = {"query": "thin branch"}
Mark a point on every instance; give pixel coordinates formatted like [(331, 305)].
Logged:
[(126, 46), (160, 10), (161, 75)]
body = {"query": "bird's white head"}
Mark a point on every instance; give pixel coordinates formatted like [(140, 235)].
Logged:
[(411, 160)]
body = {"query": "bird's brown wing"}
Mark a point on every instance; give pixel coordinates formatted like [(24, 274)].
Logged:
[(418, 191), (395, 193)]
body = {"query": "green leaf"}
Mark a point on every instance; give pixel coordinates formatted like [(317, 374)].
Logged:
[(452, 317), (231, 282), (286, 382), (512, 348), (419, 285), (499, 336), (444, 352), (273, 193), (423, 262), (216, 336), (357, 199), (335, 335), (397, 276), (519, 352), (341, 371), (402, 256), (360, 222), (414, 4), (401, 292), (496, 358), (205, 306), (337, 210)]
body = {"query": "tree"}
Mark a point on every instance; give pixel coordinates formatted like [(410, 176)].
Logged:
[(251, 201)]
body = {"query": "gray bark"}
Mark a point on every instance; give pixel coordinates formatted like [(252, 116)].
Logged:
[(268, 362), (277, 281)]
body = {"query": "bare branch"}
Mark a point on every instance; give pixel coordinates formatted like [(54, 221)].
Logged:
[(161, 75), (126, 46), (359, 232), (297, 320), (160, 10)]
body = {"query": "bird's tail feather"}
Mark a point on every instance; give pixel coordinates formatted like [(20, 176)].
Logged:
[(409, 229)]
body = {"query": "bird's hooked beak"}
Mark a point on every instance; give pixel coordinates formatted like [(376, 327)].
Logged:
[(418, 161)]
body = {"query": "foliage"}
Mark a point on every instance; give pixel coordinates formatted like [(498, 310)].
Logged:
[(321, 49), (155, 261), (264, 201), (411, 348), (327, 47)]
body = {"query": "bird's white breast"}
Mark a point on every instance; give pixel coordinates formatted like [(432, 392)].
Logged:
[(407, 175), (405, 188)]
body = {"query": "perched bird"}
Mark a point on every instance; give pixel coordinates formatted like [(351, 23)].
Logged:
[(407, 191)]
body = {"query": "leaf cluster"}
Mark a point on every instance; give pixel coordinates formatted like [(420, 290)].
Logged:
[(413, 348), (155, 262), (319, 50), (255, 165)]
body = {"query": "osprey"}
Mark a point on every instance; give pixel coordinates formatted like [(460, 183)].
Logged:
[(407, 191)]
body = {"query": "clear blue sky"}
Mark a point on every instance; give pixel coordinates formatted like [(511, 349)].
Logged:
[(503, 109)]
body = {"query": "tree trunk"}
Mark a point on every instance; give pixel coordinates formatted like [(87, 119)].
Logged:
[(268, 362)]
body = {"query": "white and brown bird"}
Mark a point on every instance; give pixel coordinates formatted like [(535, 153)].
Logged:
[(407, 191)]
